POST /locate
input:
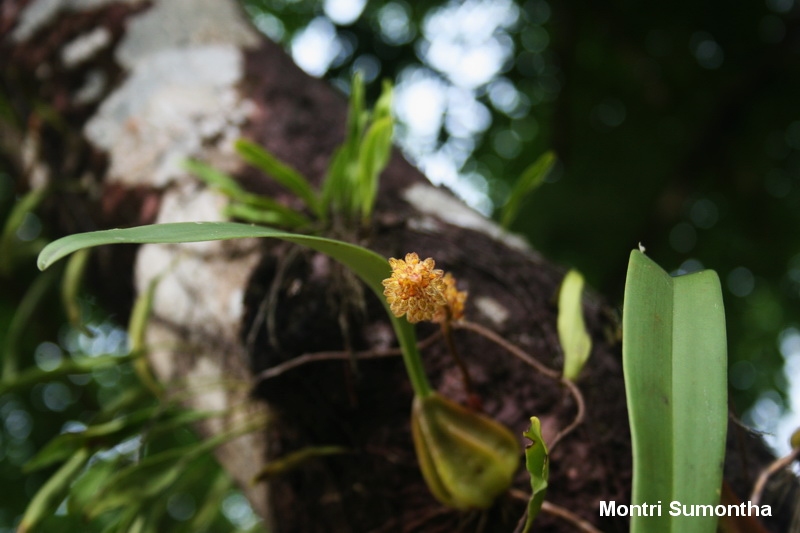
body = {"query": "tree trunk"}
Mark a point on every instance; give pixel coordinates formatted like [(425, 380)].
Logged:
[(131, 89)]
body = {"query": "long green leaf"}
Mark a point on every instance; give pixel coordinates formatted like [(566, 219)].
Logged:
[(34, 297), (369, 266), (156, 473), (70, 290), (537, 462), (32, 376), (282, 173), (215, 178), (295, 460), (65, 444), (137, 328), (675, 359), (250, 207), (373, 158), (281, 216), (53, 491), (8, 239), (340, 190)]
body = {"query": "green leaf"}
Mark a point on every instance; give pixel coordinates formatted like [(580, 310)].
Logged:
[(272, 216), (282, 173), (675, 359), (53, 491), (294, 460), (373, 158), (34, 375), (145, 479), (154, 474), (383, 107), (203, 519), (369, 266), (66, 444), (575, 340), (84, 490), (21, 320), (137, 327), (250, 207), (70, 289), (532, 177), (340, 190), (215, 179), (537, 462), (8, 239)]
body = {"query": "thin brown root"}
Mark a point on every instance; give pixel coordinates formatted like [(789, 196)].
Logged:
[(580, 523), (542, 369), (305, 359), (515, 350), (580, 407), (447, 332), (765, 474), (555, 510)]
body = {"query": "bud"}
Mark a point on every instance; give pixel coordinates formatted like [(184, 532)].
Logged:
[(466, 458)]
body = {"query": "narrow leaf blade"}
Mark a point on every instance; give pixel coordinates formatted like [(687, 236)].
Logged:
[(53, 491), (375, 152), (366, 264), (282, 173)]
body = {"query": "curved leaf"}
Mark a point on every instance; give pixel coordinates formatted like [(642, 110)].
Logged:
[(282, 173), (52, 493), (369, 266)]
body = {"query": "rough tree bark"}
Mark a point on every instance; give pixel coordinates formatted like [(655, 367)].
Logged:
[(133, 88)]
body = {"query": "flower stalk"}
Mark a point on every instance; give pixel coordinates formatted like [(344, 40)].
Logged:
[(423, 293)]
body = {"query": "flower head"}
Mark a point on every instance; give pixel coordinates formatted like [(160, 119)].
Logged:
[(415, 288)]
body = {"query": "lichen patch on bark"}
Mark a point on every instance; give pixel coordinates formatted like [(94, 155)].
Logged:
[(436, 202), (170, 106), (181, 24)]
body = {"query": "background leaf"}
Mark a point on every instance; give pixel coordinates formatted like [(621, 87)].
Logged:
[(530, 180), (282, 173), (575, 340)]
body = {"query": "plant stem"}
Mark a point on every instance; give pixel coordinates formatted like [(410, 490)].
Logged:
[(413, 361), (447, 332)]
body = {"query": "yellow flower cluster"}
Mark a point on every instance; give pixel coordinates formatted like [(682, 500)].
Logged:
[(421, 292), (454, 309)]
